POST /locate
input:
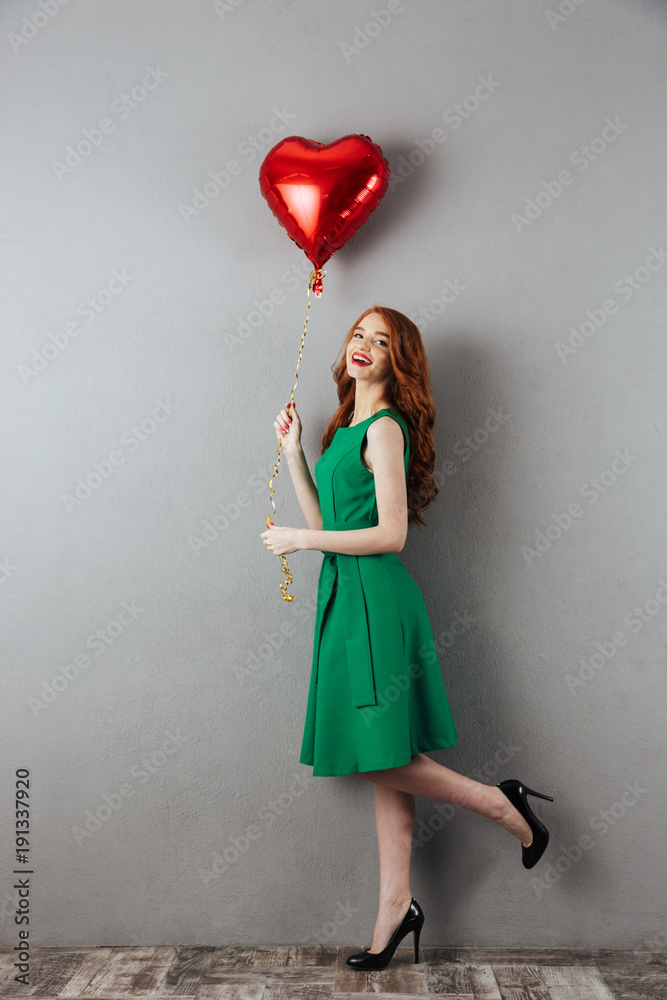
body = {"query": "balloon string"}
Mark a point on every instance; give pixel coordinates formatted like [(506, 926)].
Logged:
[(315, 282)]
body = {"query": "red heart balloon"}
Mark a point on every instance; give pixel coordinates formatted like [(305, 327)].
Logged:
[(323, 192)]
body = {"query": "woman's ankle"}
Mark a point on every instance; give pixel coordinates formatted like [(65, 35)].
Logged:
[(394, 900)]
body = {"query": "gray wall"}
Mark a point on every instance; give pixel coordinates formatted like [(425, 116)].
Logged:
[(168, 802)]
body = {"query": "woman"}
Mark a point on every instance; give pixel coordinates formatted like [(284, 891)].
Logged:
[(376, 700)]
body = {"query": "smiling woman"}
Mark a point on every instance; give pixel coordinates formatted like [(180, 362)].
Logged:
[(376, 700), (372, 630)]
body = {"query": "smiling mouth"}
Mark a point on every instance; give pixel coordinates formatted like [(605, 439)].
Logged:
[(364, 363)]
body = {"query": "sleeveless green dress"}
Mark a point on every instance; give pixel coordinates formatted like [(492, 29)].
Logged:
[(376, 695)]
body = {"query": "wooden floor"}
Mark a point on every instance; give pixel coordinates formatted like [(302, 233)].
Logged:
[(312, 973)]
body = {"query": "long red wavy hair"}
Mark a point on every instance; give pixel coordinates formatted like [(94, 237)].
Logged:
[(409, 390)]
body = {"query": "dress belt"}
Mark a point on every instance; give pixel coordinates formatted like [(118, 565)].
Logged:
[(355, 617)]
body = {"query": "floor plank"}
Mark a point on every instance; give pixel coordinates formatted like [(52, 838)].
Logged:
[(458, 979), (313, 955), (51, 969), (403, 975), (573, 982), (544, 956), (268, 975), (185, 972), (134, 972), (635, 986), (231, 955), (308, 991), (520, 982), (295, 972), (524, 993), (92, 964), (234, 991), (7, 973)]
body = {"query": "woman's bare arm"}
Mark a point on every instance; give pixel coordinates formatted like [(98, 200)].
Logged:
[(288, 431)]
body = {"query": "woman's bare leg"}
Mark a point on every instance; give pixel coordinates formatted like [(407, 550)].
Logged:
[(394, 818), (425, 777)]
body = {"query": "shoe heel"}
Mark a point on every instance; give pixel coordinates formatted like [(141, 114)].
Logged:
[(412, 921), (539, 795)]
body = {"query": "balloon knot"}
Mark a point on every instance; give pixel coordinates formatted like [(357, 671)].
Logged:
[(316, 280)]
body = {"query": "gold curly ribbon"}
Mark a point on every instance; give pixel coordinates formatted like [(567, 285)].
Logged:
[(315, 282)]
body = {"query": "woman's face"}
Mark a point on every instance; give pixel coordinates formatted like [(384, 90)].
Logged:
[(370, 340)]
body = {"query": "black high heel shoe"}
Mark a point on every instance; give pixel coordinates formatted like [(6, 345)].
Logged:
[(412, 921), (516, 792)]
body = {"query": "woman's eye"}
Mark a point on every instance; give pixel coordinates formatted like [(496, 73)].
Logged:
[(383, 342)]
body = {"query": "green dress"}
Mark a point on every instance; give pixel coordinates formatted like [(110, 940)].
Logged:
[(376, 695)]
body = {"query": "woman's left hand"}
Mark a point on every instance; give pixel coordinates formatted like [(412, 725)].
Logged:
[(282, 540)]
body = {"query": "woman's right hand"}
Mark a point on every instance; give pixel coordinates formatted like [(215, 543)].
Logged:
[(288, 428)]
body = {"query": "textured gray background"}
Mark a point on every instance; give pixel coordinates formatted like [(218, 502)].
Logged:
[(181, 730)]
